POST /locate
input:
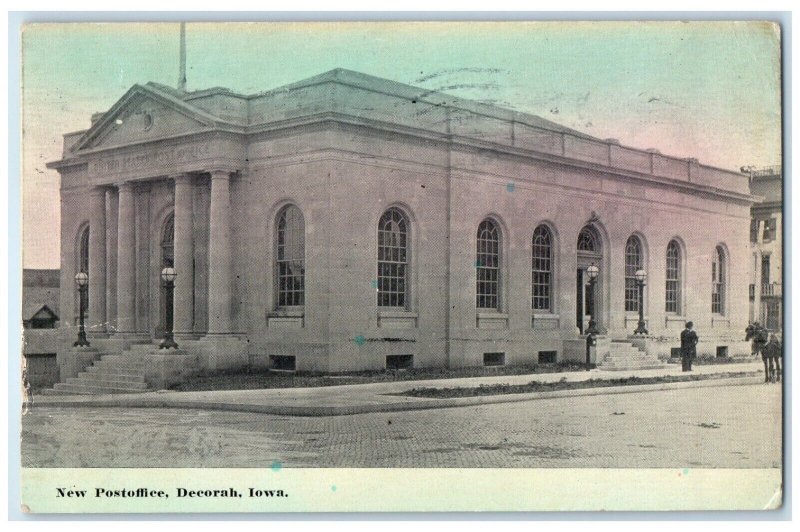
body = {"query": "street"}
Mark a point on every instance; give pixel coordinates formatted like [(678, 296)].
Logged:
[(717, 427)]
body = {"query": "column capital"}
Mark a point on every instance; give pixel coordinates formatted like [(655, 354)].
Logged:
[(219, 173), (126, 186), (182, 177), (97, 191)]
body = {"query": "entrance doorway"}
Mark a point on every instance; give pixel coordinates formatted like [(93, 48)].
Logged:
[(587, 294), (585, 297), (167, 259)]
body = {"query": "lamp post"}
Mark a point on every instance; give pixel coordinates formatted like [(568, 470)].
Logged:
[(82, 280), (592, 272), (641, 275), (168, 276)]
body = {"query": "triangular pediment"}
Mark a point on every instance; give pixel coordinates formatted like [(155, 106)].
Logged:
[(145, 113)]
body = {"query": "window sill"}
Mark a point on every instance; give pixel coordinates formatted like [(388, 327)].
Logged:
[(396, 313), (673, 320), (297, 312), (632, 318), (492, 320), (545, 321), (286, 319), (719, 320), (397, 319)]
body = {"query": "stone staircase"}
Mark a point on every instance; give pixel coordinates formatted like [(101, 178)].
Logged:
[(110, 374), (624, 355)]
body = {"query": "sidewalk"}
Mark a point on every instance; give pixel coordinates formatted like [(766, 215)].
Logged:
[(377, 397)]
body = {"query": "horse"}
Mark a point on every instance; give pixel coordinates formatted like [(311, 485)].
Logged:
[(772, 354), (760, 336)]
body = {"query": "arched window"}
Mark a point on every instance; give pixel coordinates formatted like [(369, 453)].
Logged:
[(673, 287), (487, 266), (718, 282), (290, 254), (587, 241), (393, 270), (633, 262), (542, 270), (168, 242)]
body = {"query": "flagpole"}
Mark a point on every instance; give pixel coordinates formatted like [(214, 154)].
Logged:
[(182, 77)]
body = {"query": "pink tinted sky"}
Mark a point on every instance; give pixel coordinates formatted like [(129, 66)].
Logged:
[(705, 90)]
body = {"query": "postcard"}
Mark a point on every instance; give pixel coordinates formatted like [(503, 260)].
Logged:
[(402, 266)]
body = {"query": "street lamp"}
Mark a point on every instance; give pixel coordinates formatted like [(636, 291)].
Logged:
[(168, 276), (592, 272), (641, 275), (82, 280)]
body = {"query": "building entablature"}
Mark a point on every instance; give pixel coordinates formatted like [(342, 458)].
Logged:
[(128, 140)]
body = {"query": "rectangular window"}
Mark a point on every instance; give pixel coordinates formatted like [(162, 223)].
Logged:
[(291, 258), (718, 283), (488, 266), (764, 271), (722, 351), (770, 228), (547, 357), (675, 352), (392, 259), (282, 363), (673, 280), (541, 270), (631, 295), (396, 362), (494, 359), (633, 261), (772, 312)]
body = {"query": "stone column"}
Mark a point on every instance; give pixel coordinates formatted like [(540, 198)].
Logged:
[(97, 260), (112, 216), (219, 254), (126, 261), (184, 250)]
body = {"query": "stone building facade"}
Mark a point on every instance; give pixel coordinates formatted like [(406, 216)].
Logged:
[(347, 222), (766, 241)]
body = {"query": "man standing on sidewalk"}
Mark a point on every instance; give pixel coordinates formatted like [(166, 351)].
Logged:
[(688, 346)]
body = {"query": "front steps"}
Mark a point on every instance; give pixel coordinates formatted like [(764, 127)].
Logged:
[(623, 355), (110, 374), (138, 367)]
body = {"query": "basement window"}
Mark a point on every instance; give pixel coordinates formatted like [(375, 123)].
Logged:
[(722, 351), (547, 357), (399, 362), (282, 363), (494, 359), (675, 352)]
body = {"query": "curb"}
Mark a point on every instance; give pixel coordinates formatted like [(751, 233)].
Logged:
[(404, 404)]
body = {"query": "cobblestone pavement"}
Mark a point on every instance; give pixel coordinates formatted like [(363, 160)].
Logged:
[(733, 427)]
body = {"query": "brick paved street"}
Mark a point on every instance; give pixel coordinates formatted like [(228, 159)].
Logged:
[(735, 427)]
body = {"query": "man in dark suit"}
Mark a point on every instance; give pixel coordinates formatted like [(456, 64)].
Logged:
[(688, 346)]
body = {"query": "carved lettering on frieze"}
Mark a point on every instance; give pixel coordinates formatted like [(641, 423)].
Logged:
[(150, 159)]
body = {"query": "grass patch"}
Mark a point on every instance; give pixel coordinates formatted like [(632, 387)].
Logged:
[(563, 384), (261, 378), (715, 361)]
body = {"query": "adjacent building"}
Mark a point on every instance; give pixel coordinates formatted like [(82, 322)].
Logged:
[(766, 241), (348, 222), (40, 322)]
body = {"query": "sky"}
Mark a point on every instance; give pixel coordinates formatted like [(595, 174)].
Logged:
[(709, 90)]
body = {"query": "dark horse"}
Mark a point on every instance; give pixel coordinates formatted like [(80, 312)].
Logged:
[(772, 352), (760, 336)]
